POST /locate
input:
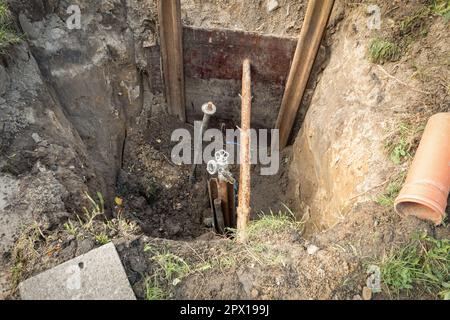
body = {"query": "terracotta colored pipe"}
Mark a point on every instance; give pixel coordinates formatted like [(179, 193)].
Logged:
[(427, 186)]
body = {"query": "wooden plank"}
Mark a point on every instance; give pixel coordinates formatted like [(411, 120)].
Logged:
[(172, 56), (213, 72), (314, 25), (218, 54)]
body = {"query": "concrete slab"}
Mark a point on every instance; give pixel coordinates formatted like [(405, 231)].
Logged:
[(96, 275)]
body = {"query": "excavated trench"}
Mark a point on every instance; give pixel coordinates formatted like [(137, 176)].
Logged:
[(158, 193), (110, 88), (84, 111)]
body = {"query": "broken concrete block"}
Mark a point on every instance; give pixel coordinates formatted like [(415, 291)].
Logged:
[(96, 275)]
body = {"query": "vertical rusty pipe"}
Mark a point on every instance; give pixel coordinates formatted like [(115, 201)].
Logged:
[(243, 210)]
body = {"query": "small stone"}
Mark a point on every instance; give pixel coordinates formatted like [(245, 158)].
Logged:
[(36, 137), (312, 249), (367, 293), (272, 5), (254, 293), (357, 297), (178, 206)]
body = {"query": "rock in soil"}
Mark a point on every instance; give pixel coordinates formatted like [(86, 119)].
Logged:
[(367, 293)]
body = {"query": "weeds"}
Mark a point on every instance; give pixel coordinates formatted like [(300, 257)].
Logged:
[(274, 223), (387, 199), (153, 291), (24, 253), (96, 210), (381, 51), (416, 21), (424, 263), (402, 141), (441, 8), (102, 238), (7, 35), (70, 228), (171, 269)]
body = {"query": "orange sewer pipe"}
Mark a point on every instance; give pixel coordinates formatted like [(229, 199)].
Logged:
[(427, 186)]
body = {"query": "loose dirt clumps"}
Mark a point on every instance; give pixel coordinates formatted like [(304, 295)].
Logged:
[(159, 193)]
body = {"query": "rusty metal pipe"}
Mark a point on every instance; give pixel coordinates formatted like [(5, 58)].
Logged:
[(243, 210)]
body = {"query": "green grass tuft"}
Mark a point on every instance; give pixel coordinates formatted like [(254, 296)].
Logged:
[(402, 142), (172, 266), (153, 291), (423, 264), (382, 51), (441, 8), (274, 223), (102, 238), (387, 199)]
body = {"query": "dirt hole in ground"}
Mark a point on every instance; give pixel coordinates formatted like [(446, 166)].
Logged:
[(161, 196)]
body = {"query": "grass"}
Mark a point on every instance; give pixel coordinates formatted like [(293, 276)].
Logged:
[(70, 228), (171, 269), (422, 264), (409, 28), (402, 141), (102, 238), (8, 36), (24, 253), (153, 291), (387, 199), (441, 8), (274, 223), (381, 51), (417, 20), (101, 228), (33, 246)]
